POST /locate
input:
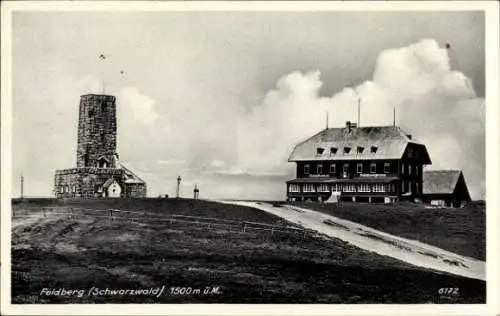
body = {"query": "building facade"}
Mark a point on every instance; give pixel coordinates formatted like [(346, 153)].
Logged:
[(98, 171), (365, 164)]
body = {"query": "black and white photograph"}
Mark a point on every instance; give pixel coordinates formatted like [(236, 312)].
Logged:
[(249, 153)]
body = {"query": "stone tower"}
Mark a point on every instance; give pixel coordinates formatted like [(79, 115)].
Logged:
[(98, 172), (96, 132)]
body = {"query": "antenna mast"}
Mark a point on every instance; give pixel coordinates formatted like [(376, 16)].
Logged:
[(326, 119), (359, 112), (394, 117), (22, 186)]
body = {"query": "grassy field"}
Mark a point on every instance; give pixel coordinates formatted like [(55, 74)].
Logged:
[(247, 267), (460, 230)]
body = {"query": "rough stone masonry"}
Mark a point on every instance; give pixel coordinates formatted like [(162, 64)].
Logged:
[(98, 171)]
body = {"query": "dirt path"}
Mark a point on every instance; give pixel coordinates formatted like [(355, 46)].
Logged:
[(410, 251)]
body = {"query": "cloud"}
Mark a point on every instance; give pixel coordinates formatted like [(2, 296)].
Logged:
[(172, 162), (435, 103), (219, 167), (137, 105), (132, 105)]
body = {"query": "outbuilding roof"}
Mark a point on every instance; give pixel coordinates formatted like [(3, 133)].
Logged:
[(130, 177), (360, 143), (108, 182), (440, 181)]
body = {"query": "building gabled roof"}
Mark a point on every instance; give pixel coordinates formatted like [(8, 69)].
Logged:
[(440, 181), (389, 142), (108, 182), (130, 177)]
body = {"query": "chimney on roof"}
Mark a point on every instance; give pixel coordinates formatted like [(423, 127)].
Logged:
[(350, 125)]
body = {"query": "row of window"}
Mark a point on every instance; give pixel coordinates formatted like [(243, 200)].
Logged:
[(406, 187), (348, 187), (359, 150), (67, 189), (347, 150), (342, 187), (359, 168), (345, 169)]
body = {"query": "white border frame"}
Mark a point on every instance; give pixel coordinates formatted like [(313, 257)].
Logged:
[(492, 307)]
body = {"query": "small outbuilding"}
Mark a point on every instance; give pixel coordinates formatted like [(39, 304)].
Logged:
[(111, 188), (446, 188)]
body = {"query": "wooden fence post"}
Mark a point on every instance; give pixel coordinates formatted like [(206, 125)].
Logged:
[(245, 228), (43, 212), (304, 234), (272, 231), (172, 219), (209, 225)]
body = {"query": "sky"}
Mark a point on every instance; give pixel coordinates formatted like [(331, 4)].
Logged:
[(221, 98)]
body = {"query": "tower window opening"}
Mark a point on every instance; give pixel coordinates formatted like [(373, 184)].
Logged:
[(102, 163), (86, 158)]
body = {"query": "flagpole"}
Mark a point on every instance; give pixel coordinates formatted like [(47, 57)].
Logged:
[(102, 58)]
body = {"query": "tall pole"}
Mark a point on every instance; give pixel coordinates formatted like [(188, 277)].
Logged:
[(394, 117), (22, 186), (196, 191), (178, 186), (326, 119), (359, 112)]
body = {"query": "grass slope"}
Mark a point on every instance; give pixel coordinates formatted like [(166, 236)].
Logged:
[(56, 252), (460, 230)]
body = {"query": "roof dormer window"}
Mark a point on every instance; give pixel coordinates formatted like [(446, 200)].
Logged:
[(374, 149), (347, 150), (319, 151), (360, 149), (333, 150)]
